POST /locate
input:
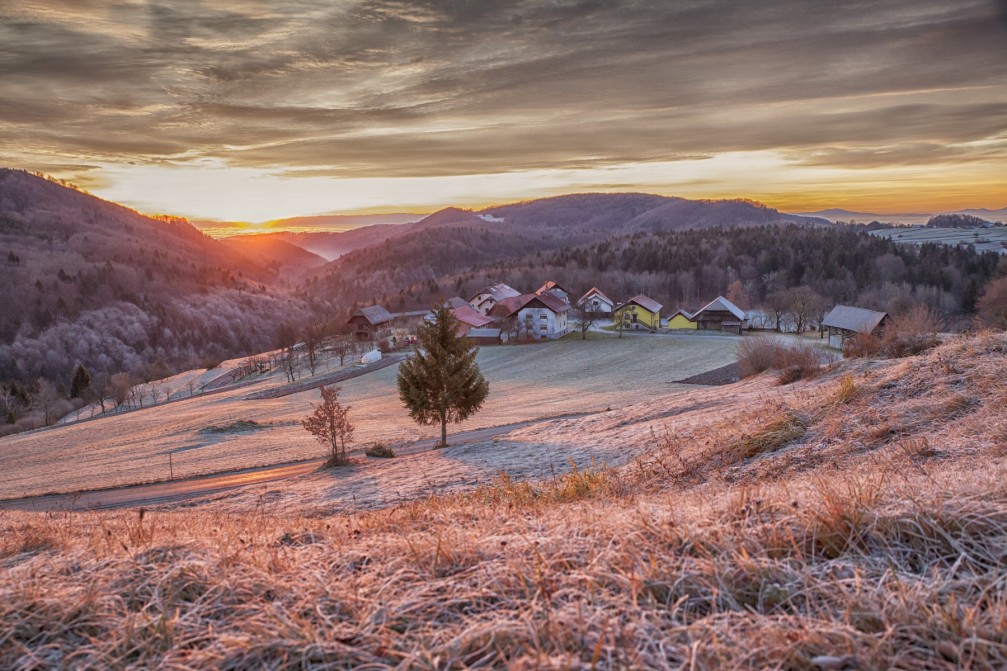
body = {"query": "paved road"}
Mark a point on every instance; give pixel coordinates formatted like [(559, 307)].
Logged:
[(179, 490)]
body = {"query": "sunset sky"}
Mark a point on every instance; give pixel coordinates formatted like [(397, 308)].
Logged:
[(256, 110)]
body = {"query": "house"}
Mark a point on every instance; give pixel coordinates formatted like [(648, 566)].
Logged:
[(455, 302), (720, 314), (597, 302), (533, 316), (468, 319), (845, 321), (555, 289), (639, 312), (682, 320), (370, 323), (484, 301)]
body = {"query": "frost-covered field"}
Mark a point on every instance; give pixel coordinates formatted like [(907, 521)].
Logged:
[(526, 382), (984, 240)]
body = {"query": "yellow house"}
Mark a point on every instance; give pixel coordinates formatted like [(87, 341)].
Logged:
[(639, 312), (682, 320)]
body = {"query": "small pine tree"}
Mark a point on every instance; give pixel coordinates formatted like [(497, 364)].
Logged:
[(81, 382), (441, 382), (330, 425)]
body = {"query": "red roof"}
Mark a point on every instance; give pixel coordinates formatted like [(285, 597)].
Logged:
[(595, 291), (509, 306), (466, 314)]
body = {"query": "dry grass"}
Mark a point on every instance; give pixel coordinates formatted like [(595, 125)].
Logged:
[(822, 548), (791, 361)]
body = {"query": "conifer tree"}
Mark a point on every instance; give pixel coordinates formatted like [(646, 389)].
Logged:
[(441, 382), (81, 382)]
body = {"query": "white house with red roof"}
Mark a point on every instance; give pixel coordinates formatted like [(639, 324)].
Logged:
[(597, 302), (533, 316)]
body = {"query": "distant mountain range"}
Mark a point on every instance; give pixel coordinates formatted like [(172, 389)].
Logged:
[(565, 220), (905, 218), (325, 222), (382, 261)]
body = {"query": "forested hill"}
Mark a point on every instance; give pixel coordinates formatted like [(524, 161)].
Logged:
[(453, 240), (86, 281), (686, 268)]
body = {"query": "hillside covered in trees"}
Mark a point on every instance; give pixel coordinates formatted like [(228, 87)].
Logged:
[(87, 282), (681, 268)]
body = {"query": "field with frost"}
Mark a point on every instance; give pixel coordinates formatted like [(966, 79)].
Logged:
[(526, 383), (857, 520)]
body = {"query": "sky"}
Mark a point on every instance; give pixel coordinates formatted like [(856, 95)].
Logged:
[(257, 110)]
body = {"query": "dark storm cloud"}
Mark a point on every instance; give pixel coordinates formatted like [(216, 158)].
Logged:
[(381, 87)]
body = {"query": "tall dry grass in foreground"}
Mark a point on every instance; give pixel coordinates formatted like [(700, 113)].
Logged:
[(861, 523)]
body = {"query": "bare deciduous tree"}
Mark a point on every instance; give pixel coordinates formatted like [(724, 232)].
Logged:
[(330, 425)]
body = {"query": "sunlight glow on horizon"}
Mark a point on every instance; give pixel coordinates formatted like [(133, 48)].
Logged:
[(251, 197)]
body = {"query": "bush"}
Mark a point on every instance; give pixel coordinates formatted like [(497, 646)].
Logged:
[(379, 450), (756, 355), (793, 361), (911, 332)]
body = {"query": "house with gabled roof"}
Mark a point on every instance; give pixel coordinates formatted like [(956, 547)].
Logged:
[(485, 299), (597, 302), (370, 322), (555, 289), (846, 321), (682, 320), (721, 314), (533, 316), (639, 312)]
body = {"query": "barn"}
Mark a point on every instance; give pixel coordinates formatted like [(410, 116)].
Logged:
[(846, 321), (370, 323), (720, 314)]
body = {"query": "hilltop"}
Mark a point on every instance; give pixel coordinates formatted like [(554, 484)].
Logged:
[(86, 281), (836, 523)]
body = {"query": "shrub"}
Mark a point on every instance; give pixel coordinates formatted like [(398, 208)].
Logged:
[(911, 332), (862, 345), (793, 361), (379, 450), (756, 355)]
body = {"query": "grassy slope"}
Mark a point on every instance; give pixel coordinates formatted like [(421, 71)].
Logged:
[(527, 382), (844, 522)]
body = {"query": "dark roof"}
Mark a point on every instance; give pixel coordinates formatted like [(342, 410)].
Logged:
[(551, 302), (721, 304), (375, 314), (595, 291), (645, 302), (455, 302), (509, 306), (484, 333), (850, 318), (688, 315)]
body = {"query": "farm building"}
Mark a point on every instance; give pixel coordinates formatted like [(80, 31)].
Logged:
[(639, 312), (555, 289), (484, 301), (682, 320), (533, 317), (720, 314), (484, 336), (370, 323), (845, 321), (597, 302)]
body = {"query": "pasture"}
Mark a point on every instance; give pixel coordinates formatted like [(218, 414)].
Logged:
[(211, 434)]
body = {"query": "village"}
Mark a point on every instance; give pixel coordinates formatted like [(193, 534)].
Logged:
[(500, 314)]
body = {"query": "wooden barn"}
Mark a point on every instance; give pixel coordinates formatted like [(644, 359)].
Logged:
[(720, 314), (370, 323), (845, 321)]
